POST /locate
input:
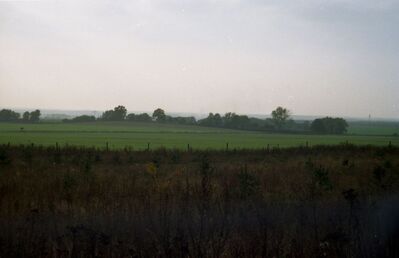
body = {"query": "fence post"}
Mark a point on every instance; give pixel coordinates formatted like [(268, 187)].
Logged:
[(56, 145), (390, 144), (148, 146), (106, 146), (188, 147), (227, 146)]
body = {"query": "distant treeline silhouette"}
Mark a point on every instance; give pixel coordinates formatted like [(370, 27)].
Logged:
[(8, 115), (280, 120)]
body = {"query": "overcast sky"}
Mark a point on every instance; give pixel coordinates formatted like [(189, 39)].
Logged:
[(315, 57)]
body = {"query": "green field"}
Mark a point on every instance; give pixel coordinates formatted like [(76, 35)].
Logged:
[(136, 135), (373, 128)]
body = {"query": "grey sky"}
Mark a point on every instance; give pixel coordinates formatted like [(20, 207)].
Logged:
[(336, 57)]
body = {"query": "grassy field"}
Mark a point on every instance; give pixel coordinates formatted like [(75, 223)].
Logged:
[(373, 128), (138, 135)]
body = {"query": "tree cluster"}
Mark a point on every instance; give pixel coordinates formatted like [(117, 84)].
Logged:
[(329, 125), (229, 120), (143, 117), (120, 114), (83, 118), (279, 121), (33, 116), (117, 114), (8, 115)]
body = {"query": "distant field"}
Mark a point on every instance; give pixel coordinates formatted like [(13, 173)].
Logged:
[(137, 135), (374, 128)]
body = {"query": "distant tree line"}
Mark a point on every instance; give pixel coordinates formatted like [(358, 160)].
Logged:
[(8, 115), (280, 120), (83, 118)]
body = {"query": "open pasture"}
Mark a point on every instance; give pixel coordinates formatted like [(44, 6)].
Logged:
[(373, 128), (137, 135)]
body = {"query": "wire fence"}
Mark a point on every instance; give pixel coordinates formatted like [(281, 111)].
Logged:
[(190, 147)]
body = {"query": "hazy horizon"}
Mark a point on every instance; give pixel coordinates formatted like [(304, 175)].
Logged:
[(70, 113), (317, 58)]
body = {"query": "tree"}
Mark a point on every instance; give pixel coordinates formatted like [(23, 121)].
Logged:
[(117, 114), (26, 116), (279, 116), (232, 120), (182, 120), (144, 117), (107, 115), (329, 125), (159, 115), (35, 116), (318, 126), (217, 120), (8, 115), (83, 118), (131, 117), (214, 120)]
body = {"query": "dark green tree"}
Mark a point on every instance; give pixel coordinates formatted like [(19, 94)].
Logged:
[(120, 113), (214, 120), (107, 115), (159, 115), (117, 114), (217, 120), (26, 116), (82, 118), (8, 115), (131, 117), (144, 117), (232, 120), (280, 116), (329, 125), (35, 116)]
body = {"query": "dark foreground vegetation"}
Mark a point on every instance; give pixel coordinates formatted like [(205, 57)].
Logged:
[(302, 202)]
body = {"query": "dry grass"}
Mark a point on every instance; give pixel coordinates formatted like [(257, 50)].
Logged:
[(302, 202)]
